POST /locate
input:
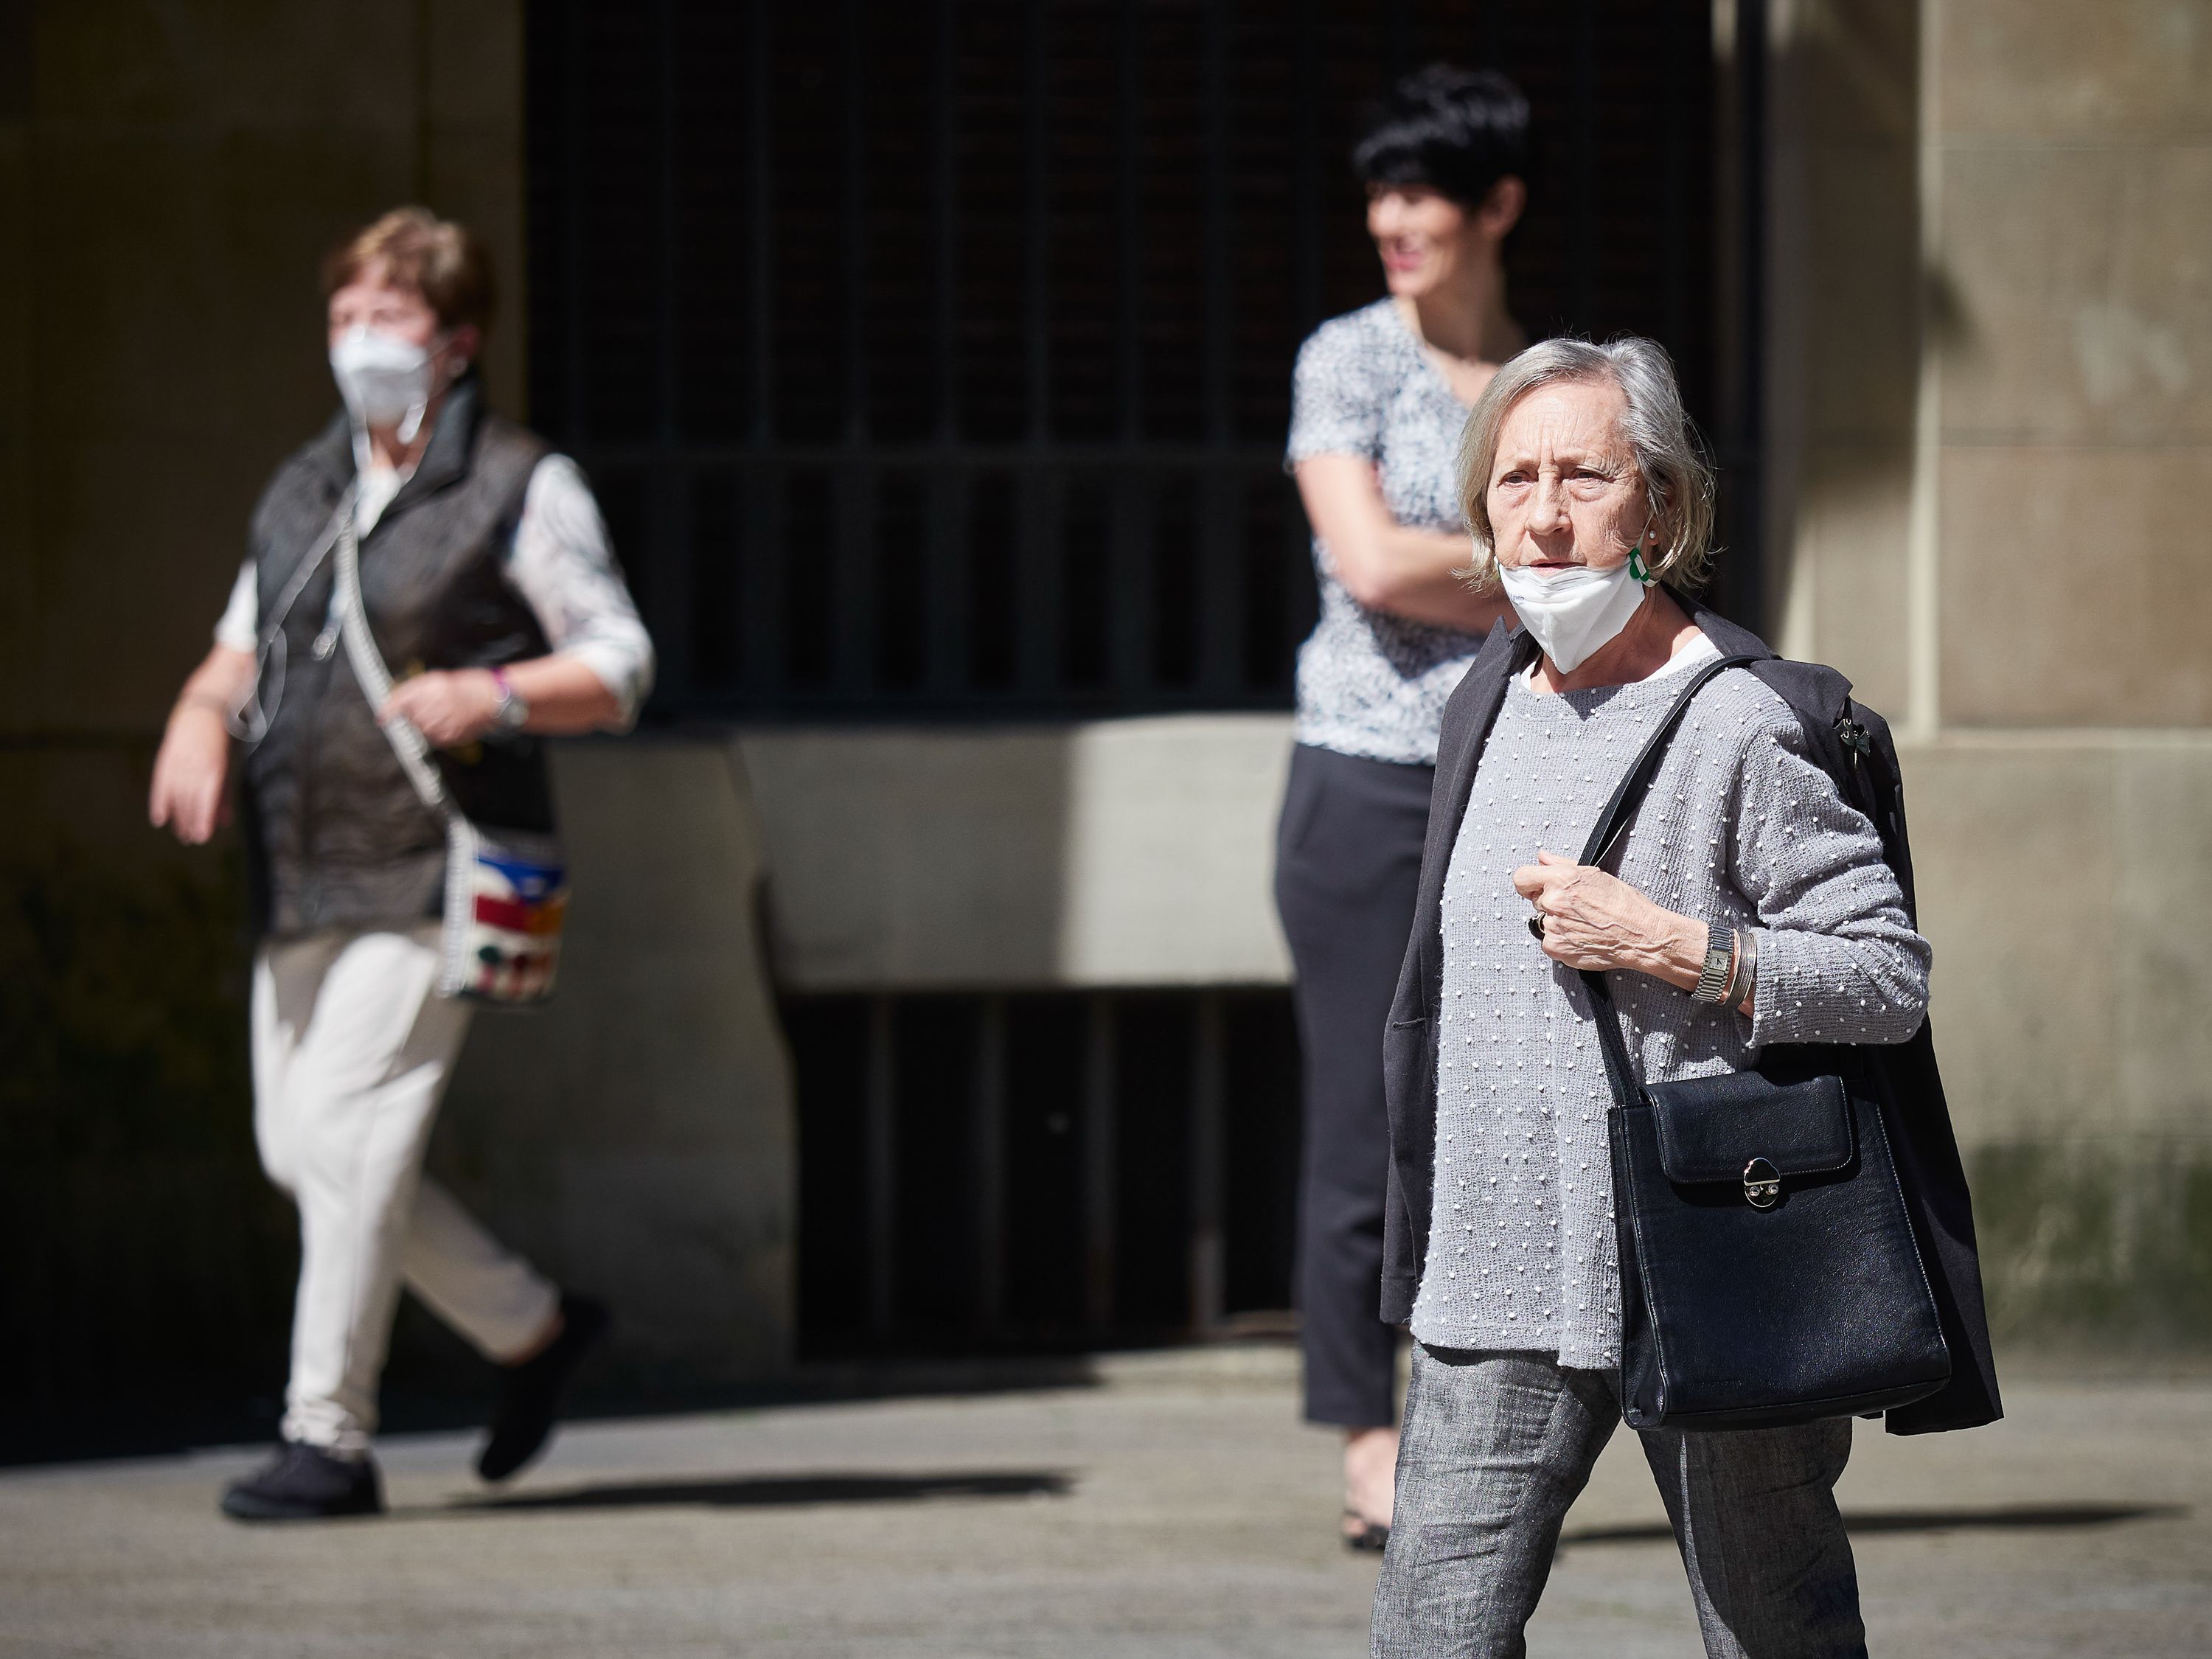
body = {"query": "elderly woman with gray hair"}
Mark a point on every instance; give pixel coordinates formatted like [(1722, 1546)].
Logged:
[(1590, 506)]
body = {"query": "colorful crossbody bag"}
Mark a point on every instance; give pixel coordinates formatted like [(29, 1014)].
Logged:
[(507, 891)]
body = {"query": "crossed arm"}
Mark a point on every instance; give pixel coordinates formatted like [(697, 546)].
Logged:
[(1382, 563)]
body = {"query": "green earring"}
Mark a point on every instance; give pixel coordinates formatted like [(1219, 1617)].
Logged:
[(1636, 567)]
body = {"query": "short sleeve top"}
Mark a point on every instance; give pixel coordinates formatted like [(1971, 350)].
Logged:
[(1370, 683)]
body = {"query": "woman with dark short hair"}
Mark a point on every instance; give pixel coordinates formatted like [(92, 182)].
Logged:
[(1380, 396), (486, 581)]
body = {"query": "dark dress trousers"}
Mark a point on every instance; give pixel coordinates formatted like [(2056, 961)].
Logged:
[(1347, 863)]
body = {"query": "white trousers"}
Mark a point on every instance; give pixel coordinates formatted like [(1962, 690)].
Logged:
[(351, 1051)]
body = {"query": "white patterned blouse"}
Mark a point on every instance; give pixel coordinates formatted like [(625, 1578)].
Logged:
[(1370, 683)]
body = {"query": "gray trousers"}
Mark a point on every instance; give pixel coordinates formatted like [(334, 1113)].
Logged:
[(1497, 1446)]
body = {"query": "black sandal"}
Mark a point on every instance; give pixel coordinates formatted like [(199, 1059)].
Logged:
[(1371, 1536)]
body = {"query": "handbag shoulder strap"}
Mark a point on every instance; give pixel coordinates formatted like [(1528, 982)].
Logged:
[(304, 572), (407, 742), (1611, 824), (249, 722), (1613, 821)]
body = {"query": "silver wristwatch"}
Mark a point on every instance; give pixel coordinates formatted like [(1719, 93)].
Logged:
[(513, 712), (1720, 958)]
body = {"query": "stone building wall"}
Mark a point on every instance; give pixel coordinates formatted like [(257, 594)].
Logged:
[(1994, 361)]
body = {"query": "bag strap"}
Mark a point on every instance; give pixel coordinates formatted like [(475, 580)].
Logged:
[(1611, 824), (1613, 821), (407, 742), (250, 722), (304, 573)]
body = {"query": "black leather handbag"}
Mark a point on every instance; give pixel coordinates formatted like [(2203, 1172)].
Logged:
[(1769, 1272)]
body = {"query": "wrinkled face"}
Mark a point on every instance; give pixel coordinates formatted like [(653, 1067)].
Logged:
[(1424, 237), (1564, 486), (373, 301)]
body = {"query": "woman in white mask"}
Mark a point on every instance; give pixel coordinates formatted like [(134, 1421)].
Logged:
[(1578, 516), (492, 596), (1749, 904)]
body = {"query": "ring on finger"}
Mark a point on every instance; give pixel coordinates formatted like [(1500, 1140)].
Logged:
[(1536, 924)]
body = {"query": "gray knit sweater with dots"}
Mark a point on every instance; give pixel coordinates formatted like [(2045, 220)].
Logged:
[(1739, 828)]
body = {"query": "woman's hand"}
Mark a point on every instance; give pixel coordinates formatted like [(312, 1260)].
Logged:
[(192, 767), (449, 707), (1595, 922), (189, 774), (564, 696)]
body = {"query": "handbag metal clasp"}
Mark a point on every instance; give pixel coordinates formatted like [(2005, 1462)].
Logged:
[(1762, 1184)]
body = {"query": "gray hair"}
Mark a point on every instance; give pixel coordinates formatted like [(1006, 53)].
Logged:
[(1677, 480)]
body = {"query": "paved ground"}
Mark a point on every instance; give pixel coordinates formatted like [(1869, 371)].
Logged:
[(1174, 1512)]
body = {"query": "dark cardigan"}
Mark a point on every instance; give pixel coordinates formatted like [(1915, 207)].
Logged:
[(1852, 744)]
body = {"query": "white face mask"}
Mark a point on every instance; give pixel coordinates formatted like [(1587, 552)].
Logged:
[(384, 379), (1573, 613)]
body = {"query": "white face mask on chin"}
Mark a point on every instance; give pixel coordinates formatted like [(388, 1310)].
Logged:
[(384, 380), (1573, 613)]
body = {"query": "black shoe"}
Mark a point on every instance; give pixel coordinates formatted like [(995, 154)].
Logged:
[(1363, 1535), (530, 1393), (304, 1483)]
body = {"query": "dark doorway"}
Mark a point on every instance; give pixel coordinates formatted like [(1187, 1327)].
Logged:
[(934, 359), (1067, 1169)]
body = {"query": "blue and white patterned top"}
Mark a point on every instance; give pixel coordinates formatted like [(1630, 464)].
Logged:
[(1369, 683)]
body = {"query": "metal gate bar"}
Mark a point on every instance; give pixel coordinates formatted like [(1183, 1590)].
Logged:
[(922, 1187)]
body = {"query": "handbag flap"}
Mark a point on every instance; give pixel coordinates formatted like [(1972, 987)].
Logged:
[(1709, 1128)]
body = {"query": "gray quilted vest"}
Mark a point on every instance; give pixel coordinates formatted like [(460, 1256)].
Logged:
[(335, 836)]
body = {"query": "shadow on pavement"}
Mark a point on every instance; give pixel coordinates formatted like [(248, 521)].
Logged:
[(145, 1424), (2000, 1516), (769, 1491)]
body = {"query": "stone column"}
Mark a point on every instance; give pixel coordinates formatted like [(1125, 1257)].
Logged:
[(1997, 340)]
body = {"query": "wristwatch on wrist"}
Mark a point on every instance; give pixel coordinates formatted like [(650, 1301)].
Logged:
[(514, 711), (1719, 960)]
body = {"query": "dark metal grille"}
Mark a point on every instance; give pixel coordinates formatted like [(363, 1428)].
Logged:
[(933, 358), (1049, 1169)]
